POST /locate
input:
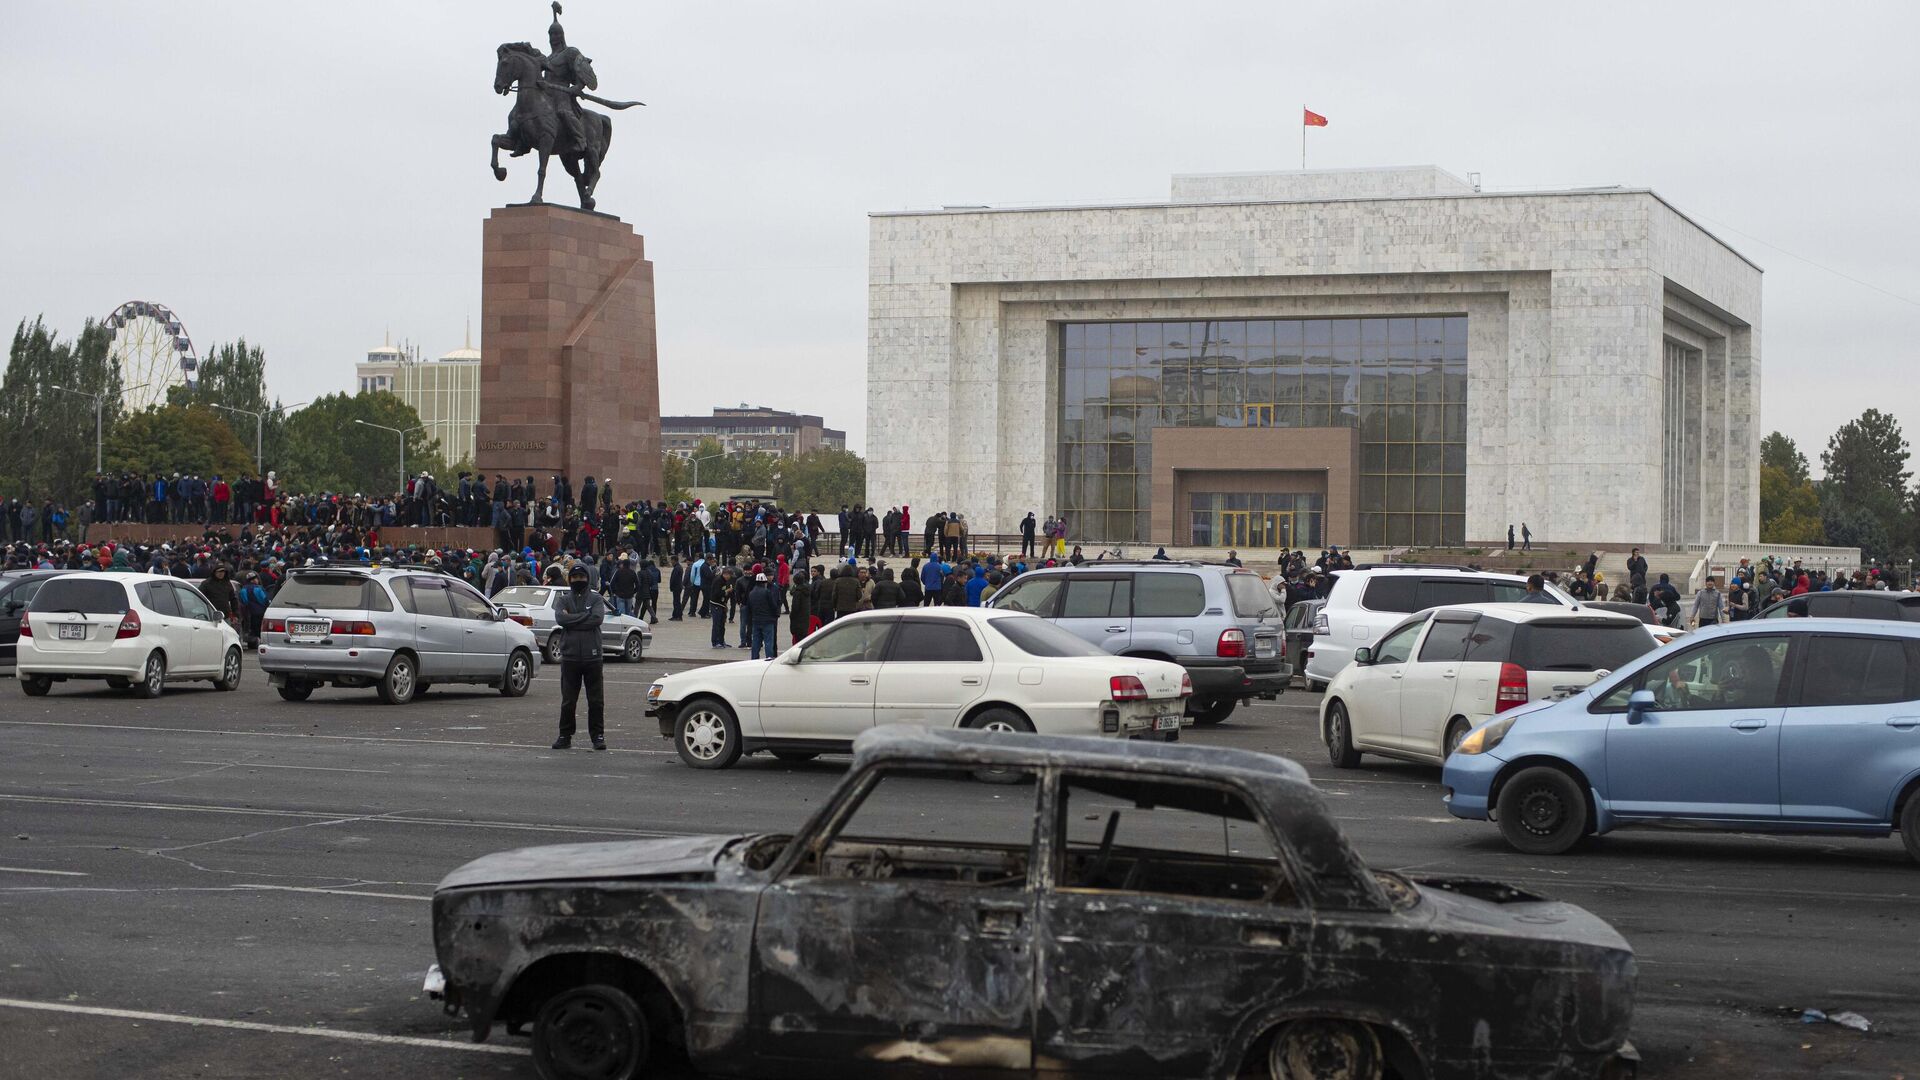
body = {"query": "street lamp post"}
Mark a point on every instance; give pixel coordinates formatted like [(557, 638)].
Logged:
[(696, 462), (259, 427), (403, 445), (99, 429)]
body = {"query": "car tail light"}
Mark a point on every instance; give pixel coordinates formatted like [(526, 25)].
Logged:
[(1320, 624), (1127, 688), (129, 626), (361, 628), (1232, 643), (1186, 685), (523, 620), (273, 626), (26, 627), (1513, 688)]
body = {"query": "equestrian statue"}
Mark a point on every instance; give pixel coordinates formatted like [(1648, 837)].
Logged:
[(547, 116)]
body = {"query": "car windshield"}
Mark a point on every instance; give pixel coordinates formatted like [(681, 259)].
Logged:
[(1545, 646), (1038, 637), (1251, 600), (89, 596), (331, 592), (521, 594)]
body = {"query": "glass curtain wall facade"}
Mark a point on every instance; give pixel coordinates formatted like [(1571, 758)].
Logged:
[(1402, 381)]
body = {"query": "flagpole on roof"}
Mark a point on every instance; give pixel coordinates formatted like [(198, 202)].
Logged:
[(1303, 136)]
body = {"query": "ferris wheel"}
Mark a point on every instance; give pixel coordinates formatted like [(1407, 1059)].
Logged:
[(151, 345)]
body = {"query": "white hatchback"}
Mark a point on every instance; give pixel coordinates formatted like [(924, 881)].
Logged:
[(138, 631), (942, 667), (1437, 675)]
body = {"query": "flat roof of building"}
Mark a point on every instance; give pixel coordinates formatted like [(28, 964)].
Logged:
[(1161, 204)]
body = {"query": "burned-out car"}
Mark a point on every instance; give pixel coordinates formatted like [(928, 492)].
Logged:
[(1130, 910)]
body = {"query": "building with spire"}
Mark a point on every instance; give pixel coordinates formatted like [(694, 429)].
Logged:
[(445, 392)]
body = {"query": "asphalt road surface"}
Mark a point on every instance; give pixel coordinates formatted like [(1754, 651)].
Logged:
[(228, 885)]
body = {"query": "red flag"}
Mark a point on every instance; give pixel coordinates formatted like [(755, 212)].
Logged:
[(1312, 119)]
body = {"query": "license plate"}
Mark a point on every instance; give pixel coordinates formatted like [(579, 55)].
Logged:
[(306, 631), (1166, 723), (1263, 648), (73, 632)]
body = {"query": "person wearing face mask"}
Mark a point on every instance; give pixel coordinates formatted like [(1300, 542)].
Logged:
[(579, 612)]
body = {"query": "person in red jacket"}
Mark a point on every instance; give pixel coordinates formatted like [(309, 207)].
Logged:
[(222, 499)]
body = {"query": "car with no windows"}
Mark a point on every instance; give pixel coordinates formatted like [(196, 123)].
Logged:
[(1128, 910)]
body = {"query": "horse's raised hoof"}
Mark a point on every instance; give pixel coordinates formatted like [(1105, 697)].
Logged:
[(499, 173)]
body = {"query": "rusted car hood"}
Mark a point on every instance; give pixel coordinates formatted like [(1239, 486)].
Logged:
[(576, 862)]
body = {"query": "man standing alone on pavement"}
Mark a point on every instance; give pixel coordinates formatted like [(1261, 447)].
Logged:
[(579, 613)]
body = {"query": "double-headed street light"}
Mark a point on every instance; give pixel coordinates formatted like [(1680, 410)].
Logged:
[(696, 462), (259, 425), (99, 430), (403, 446)]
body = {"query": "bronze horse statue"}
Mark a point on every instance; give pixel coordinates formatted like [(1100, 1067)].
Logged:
[(536, 123)]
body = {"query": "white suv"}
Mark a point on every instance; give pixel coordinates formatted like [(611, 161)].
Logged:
[(1367, 600), (1437, 675), (136, 631)]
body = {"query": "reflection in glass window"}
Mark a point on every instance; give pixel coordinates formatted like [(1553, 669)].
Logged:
[(1400, 380)]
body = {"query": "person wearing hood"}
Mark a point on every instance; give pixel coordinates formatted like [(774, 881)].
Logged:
[(579, 611), (219, 591), (976, 586), (932, 575)]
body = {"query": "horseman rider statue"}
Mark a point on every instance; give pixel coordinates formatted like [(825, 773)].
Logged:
[(569, 67)]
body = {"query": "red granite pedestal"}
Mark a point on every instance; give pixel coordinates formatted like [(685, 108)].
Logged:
[(569, 372)]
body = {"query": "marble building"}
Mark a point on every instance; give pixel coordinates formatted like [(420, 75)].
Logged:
[(1376, 357)]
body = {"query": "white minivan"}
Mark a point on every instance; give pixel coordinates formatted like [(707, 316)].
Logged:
[(136, 631), (1363, 602), (1435, 676)]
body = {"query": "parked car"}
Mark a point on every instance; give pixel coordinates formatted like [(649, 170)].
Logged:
[(398, 630), (1368, 600), (1165, 911), (1660, 632), (136, 631), (16, 592), (1299, 635), (1218, 622), (1848, 604), (946, 667), (1439, 674), (622, 637), (1791, 726)]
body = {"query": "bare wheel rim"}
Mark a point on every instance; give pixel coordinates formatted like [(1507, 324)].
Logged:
[(704, 734), (517, 672), (156, 674), (402, 679), (998, 725), (231, 675), (633, 646), (1542, 811), (1325, 1048), (590, 1038)]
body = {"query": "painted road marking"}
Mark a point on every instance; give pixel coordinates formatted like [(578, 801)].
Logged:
[(262, 765), (336, 892), (649, 834), (271, 1029), (301, 735), (52, 873)]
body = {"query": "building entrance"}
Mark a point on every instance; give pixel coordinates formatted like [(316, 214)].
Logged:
[(1255, 529)]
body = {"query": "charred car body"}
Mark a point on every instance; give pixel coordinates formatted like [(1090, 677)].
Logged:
[(1136, 909)]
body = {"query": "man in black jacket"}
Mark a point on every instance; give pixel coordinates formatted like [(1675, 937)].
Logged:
[(764, 602), (579, 613)]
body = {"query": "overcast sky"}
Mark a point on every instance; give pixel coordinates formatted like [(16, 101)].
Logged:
[(314, 176)]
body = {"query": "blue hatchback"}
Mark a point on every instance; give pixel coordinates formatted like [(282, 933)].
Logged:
[(1801, 725)]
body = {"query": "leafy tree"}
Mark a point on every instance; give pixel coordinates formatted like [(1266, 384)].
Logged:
[(1778, 451), (1866, 477), (48, 435), (676, 479), (821, 479), (172, 439), (234, 375), (1789, 508), (751, 471), (326, 450)]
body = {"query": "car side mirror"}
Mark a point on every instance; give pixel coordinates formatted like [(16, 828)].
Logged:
[(14, 607), (1639, 704), (791, 656), (1363, 655), (499, 614)]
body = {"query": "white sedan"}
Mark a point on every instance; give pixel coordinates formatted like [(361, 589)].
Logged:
[(942, 667), (136, 631)]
